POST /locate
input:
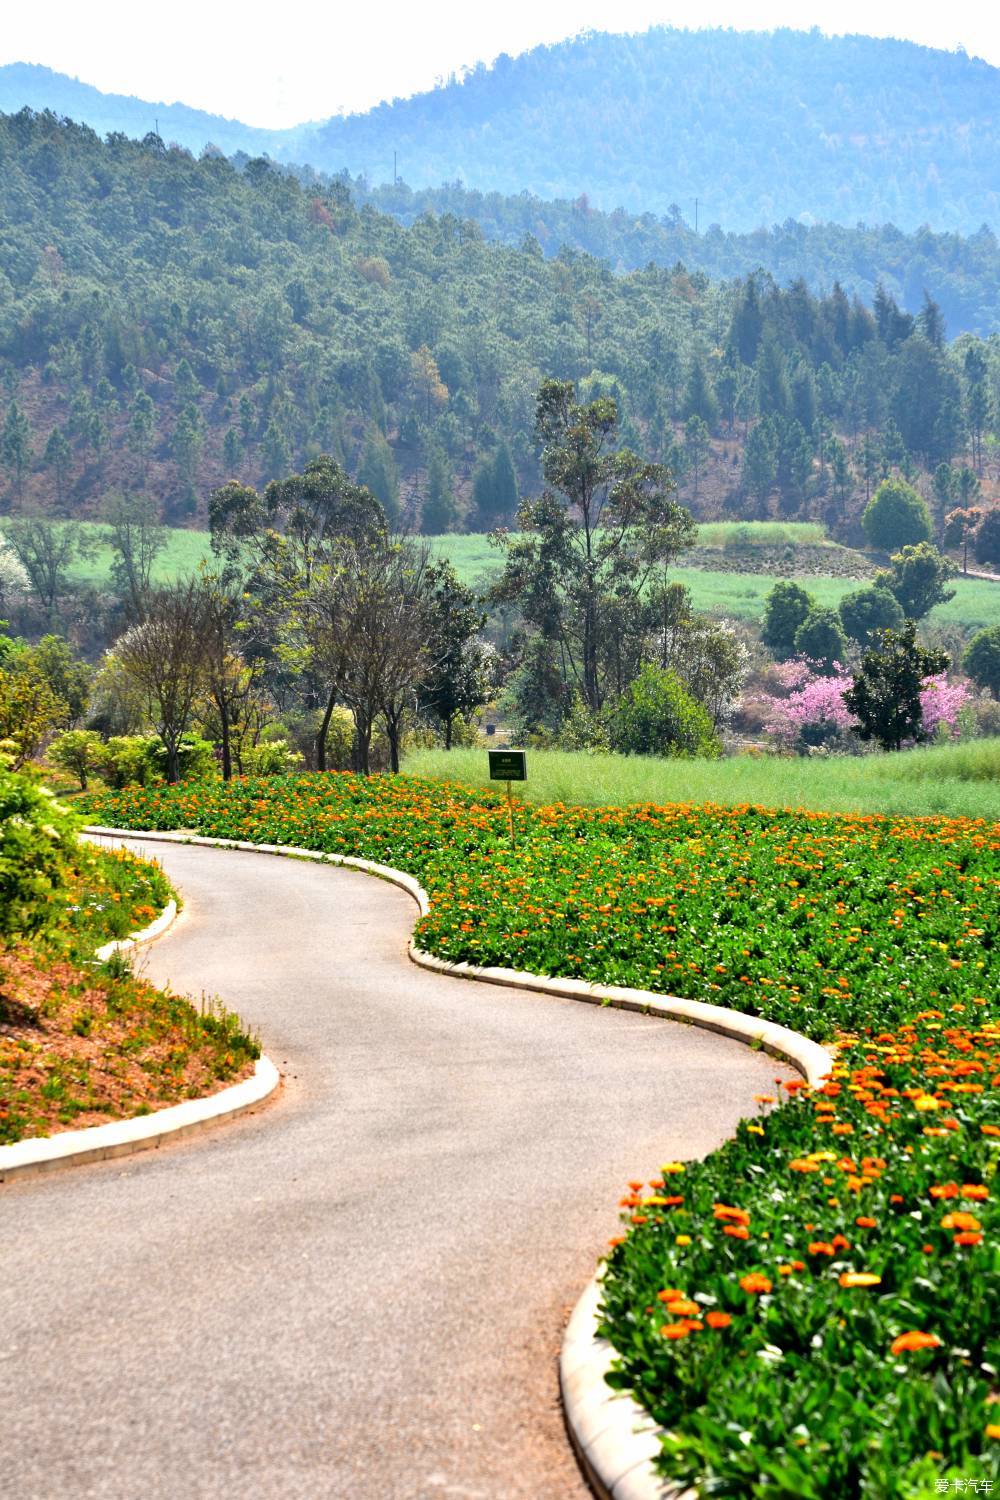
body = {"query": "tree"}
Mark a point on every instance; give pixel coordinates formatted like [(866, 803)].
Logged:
[(45, 550), (657, 716), (821, 638), (896, 516), (917, 579), (139, 434), (988, 537), (378, 473), (868, 611), (760, 463), (164, 659), (785, 611), (57, 457), (943, 486), (15, 447), (29, 711), (884, 696), (504, 483), (68, 676), (13, 576), (981, 661), (439, 512), (603, 524), (699, 398), (696, 449), (136, 538), (365, 620), (454, 684), (78, 751), (429, 389), (960, 528)]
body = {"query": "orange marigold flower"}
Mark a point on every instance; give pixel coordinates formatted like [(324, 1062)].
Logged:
[(944, 1190), (865, 1223), (755, 1282), (738, 1215), (675, 1330), (914, 1340), (669, 1294), (968, 1237), (839, 1243), (737, 1231), (820, 1247), (718, 1319), (682, 1307), (960, 1220), (993, 1430), (977, 1190), (990, 1129)]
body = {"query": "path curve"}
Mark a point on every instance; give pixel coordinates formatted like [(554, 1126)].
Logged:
[(360, 1292)]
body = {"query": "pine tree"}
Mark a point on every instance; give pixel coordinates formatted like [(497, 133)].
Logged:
[(15, 447), (439, 512), (378, 473)]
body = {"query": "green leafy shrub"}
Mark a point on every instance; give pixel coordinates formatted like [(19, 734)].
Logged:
[(656, 715), (896, 516), (37, 851)]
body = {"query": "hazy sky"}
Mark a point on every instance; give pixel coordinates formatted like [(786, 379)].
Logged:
[(279, 64)]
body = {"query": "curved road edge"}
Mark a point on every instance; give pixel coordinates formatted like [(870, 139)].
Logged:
[(142, 1132), (614, 1438)]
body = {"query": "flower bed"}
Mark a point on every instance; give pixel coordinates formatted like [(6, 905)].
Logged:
[(808, 1312), (81, 1042)]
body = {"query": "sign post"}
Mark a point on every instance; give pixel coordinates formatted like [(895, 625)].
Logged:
[(508, 766)]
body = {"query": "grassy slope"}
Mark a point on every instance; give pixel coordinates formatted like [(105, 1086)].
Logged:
[(739, 595), (954, 780)]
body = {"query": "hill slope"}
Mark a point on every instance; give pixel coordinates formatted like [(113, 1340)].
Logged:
[(759, 126), (28, 86), (167, 323)]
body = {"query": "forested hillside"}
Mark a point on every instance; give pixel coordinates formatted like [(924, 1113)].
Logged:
[(961, 272), (760, 127), (167, 323)]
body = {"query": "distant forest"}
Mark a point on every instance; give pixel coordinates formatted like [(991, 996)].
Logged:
[(760, 127), (167, 323), (961, 273)]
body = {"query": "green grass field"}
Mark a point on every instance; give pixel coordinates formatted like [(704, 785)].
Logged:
[(953, 780), (736, 595)]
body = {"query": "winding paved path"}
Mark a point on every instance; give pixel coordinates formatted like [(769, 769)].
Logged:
[(359, 1291)]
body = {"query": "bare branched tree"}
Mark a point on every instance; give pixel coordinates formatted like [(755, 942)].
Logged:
[(165, 658)]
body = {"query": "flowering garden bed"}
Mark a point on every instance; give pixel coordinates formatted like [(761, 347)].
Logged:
[(82, 1042), (810, 1311)]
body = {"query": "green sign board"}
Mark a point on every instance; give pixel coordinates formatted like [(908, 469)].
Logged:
[(508, 765)]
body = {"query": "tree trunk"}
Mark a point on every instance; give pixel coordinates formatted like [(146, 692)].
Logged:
[(447, 731), (227, 754), (324, 730), (173, 761)]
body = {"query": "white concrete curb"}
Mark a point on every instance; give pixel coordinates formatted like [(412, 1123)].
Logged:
[(145, 935), (614, 1438), (122, 1137)]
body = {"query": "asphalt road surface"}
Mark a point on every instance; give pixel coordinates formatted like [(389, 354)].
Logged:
[(359, 1290)]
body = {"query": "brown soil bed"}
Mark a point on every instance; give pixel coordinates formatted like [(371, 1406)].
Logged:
[(79, 1048)]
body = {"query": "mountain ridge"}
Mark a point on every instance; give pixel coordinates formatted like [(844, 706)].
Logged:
[(759, 126)]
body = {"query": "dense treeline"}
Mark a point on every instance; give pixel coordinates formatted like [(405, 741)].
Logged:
[(760, 127), (961, 273), (167, 324)]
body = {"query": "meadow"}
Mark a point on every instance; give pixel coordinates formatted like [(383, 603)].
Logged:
[(949, 780), (811, 1311), (718, 591)]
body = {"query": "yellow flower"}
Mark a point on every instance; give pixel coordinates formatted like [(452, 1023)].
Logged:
[(672, 1166), (683, 1239)]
